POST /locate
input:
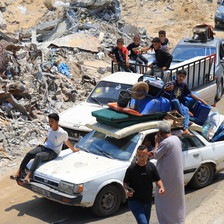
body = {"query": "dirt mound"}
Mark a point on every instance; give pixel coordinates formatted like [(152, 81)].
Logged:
[(176, 17)]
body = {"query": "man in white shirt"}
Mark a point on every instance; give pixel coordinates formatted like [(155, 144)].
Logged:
[(49, 150)]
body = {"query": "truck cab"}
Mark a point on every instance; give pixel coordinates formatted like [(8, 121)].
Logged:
[(188, 48)]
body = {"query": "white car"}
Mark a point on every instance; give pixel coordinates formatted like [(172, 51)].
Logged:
[(93, 177), (73, 120)]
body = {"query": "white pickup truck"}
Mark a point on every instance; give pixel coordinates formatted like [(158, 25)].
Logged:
[(200, 79)]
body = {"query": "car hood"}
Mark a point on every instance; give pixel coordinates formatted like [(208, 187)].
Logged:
[(78, 167), (78, 116)]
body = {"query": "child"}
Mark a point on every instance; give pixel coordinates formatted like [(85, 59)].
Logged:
[(136, 52), (163, 39), (121, 56), (163, 57), (180, 91)]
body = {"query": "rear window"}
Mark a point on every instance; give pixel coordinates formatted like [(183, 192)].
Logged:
[(182, 53)]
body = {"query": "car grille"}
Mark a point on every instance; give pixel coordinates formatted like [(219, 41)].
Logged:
[(46, 182)]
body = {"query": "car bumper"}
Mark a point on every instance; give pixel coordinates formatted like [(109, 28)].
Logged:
[(219, 22), (52, 193)]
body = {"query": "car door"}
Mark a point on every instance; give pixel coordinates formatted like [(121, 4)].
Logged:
[(191, 155)]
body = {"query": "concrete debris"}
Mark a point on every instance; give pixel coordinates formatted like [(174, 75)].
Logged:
[(43, 70), (101, 70), (2, 21)]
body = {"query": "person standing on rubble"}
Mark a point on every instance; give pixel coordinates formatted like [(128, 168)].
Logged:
[(48, 151), (121, 56), (170, 207), (138, 185)]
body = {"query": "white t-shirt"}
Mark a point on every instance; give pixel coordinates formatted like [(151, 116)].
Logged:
[(55, 139)]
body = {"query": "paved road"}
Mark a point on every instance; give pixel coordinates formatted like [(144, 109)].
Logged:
[(21, 206)]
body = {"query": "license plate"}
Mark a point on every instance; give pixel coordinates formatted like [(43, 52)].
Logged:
[(40, 191)]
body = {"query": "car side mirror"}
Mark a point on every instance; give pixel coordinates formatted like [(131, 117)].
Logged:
[(222, 60)]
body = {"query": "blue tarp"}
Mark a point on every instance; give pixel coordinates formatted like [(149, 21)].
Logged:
[(64, 69)]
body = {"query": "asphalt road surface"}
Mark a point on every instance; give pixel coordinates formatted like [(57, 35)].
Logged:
[(22, 206)]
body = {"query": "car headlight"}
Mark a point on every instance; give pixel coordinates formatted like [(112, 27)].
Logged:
[(218, 14), (70, 188)]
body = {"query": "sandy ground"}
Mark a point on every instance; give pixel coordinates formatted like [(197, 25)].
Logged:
[(177, 18), (211, 210)]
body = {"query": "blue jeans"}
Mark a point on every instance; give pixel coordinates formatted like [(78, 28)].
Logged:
[(182, 110), (141, 211)]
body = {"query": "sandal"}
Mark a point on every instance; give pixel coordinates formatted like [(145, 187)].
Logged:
[(190, 123), (14, 177)]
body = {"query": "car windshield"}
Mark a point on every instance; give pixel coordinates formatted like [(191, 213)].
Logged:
[(182, 53), (106, 92), (101, 144)]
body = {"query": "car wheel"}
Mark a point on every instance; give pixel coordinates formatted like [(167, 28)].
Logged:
[(219, 91), (203, 176), (107, 201)]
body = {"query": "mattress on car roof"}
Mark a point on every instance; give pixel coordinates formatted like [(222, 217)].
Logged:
[(109, 115)]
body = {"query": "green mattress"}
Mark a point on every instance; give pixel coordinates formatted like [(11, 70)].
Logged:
[(121, 120)]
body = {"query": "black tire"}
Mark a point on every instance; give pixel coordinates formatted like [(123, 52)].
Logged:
[(219, 90), (107, 201), (203, 176)]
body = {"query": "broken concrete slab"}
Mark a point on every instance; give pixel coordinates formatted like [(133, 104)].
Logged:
[(77, 40), (2, 21), (48, 25), (130, 30), (91, 3), (8, 38)]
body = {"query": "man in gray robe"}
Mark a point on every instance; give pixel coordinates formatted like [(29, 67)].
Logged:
[(170, 207)]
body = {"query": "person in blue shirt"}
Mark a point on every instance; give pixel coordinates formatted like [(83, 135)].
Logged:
[(164, 40), (179, 91), (148, 142), (136, 53)]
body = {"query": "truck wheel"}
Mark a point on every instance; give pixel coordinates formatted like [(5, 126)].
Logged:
[(107, 201), (219, 91), (203, 176)]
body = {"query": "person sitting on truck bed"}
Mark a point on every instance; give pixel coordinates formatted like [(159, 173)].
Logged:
[(121, 56), (164, 40), (136, 52), (49, 150), (163, 57), (179, 91)]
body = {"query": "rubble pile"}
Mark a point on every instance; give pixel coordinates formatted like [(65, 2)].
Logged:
[(42, 70)]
